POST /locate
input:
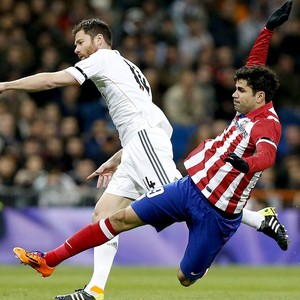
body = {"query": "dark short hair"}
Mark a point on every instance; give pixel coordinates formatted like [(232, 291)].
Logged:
[(93, 27), (259, 78)]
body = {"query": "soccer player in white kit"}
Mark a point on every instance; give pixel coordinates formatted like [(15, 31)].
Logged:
[(145, 161)]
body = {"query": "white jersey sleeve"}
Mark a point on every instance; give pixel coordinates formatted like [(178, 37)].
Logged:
[(77, 74)]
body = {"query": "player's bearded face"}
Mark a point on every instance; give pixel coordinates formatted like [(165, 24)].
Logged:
[(243, 99), (85, 45)]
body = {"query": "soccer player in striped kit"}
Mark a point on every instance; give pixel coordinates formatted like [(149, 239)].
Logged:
[(222, 173)]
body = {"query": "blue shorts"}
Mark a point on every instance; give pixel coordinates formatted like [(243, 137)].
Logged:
[(208, 229)]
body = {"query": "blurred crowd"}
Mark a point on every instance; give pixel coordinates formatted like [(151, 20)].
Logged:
[(50, 141)]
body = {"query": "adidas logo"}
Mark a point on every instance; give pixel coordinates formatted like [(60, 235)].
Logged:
[(113, 244)]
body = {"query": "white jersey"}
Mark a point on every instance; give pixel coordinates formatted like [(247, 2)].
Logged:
[(126, 91)]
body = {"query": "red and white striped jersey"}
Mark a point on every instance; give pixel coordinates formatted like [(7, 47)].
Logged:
[(253, 137)]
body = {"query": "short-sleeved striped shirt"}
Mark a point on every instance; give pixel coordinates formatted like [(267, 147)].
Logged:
[(223, 185)]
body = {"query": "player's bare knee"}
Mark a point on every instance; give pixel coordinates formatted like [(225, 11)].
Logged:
[(184, 281), (97, 215)]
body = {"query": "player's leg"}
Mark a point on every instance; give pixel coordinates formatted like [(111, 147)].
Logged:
[(146, 163), (252, 218), (266, 221), (159, 208), (208, 233), (121, 189), (87, 237), (104, 255)]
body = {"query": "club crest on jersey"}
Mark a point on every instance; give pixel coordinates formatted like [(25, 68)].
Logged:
[(241, 124)]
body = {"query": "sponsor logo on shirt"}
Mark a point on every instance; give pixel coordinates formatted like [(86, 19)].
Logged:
[(241, 126)]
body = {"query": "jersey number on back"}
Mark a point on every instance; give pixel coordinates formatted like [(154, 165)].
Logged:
[(141, 81)]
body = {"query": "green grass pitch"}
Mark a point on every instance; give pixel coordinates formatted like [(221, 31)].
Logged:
[(147, 283)]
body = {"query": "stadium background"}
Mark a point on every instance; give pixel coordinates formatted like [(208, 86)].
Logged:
[(50, 141)]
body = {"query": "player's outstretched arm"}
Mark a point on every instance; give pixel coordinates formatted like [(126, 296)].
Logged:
[(39, 82), (259, 51)]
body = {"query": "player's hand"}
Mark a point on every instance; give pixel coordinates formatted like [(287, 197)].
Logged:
[(279, 16), (104, 173), (237, 162)]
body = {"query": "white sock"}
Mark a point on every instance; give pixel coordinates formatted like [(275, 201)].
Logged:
[(252, 218), (103, 259)]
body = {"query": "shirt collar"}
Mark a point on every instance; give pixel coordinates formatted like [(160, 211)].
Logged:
[(252, 114)]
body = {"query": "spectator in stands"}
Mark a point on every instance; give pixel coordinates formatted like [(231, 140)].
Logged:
[(222, 23), (56, 188), (181, 10), (38, 129), (24, 192), (110, 146), (153, 16), (69, 127), (9, 135), (248, 27), (184, 102), (167, 33), (26, 114), (223, 87), (74, 151), (172, 67), (31, 146), (18, 60), (89, 194), (95, 141), (205, 80), (54, 153), (52, 113), (289, 174), (196, 39), (8, 169), (82, 169), (153, 76), (33, 167), (290, 142), (69, 103), (288, 96)]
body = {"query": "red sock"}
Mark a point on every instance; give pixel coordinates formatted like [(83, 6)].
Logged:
[(88, 237)]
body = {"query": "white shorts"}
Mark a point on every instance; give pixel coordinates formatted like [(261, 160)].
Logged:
[(147, 163)]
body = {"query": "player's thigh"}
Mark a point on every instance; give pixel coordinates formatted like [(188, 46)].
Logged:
[(108, 204)]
